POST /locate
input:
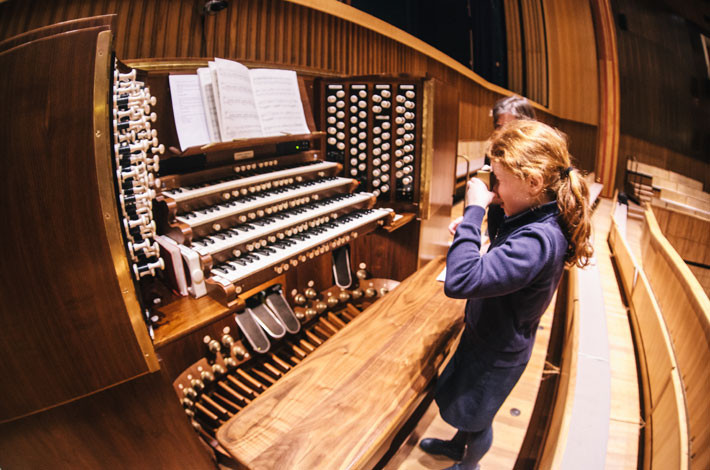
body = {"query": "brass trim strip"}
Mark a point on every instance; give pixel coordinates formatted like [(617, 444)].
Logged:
[(427, 150), (192, 64), (167, 65), (107, 197)]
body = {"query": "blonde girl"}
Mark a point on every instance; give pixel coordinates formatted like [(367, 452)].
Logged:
[(546, 225)]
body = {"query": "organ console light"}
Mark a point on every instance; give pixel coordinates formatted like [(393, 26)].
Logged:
[(223, 267)]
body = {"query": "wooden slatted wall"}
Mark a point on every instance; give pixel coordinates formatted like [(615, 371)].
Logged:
[(287, 34)]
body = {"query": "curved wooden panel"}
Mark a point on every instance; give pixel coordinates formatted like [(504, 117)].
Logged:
[(65, 329), (686, 311), (138, 424), (608, 136), (54, 29)]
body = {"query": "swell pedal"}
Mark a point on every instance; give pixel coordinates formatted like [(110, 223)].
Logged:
[(268, 320), (278, 304), (342, 273), (252, 331)]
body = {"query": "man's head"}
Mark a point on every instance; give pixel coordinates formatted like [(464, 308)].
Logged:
[(511, 108)]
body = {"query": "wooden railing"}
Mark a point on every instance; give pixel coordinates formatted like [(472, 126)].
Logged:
[(562, 358), (686, 311), (665, 436)]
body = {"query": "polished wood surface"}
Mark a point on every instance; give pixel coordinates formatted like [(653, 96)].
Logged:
[(66, 331), (54, 29), (510, 426), (138, 424), (360, 384)]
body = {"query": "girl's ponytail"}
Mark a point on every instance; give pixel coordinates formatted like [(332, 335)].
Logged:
[(575, 216)]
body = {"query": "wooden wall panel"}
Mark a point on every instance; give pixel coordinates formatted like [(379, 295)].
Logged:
[(289, 34), (662, 157), (689, 235), (663, 79), (514, 45), (572, 60), (535, 46)]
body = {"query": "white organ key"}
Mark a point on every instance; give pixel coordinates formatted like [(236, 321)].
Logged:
[(236, 272), (214, 213), (214, 244), (182, 194)]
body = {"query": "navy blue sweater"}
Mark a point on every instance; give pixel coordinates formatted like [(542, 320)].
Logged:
[(509, 287)]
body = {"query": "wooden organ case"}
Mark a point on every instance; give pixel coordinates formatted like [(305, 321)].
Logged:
[(143, 271)]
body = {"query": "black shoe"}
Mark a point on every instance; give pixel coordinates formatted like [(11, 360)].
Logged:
[(441, 447), (457, 466)]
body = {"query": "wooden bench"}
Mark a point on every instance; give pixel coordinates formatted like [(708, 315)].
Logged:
[(665, 436), (667, 189), (686, 312), (595, 189), (345, 403)]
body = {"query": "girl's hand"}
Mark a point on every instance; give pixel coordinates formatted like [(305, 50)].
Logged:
[(454, 225), (477, 193)]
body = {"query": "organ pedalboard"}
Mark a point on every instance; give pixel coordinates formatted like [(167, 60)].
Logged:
[(234, 371)]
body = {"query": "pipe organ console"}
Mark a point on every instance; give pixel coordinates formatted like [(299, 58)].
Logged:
[(212, 271)]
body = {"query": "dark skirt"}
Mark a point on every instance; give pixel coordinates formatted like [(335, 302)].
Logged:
[(471, 390)]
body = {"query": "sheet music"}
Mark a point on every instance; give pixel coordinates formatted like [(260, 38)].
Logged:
[(278, 101), (238, 118), (212, 67), (208, 104), (187, 108)]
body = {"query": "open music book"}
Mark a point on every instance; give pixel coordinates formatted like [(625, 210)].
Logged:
[(227, 101)]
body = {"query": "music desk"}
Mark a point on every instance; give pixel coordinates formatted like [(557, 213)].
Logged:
[(342, 406)]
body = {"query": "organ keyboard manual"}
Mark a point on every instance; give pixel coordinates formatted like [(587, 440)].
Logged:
[(196, 228)]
